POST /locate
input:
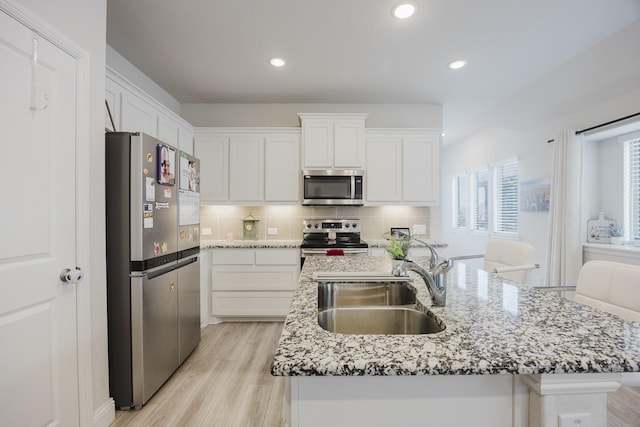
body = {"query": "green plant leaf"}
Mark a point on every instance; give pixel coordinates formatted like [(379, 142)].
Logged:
[(398, 248)]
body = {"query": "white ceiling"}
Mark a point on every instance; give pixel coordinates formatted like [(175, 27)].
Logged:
[(527, 60)]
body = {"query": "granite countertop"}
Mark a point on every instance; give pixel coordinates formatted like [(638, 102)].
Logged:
[(381, 243), (493, 326), (218, 244), (255, 244)]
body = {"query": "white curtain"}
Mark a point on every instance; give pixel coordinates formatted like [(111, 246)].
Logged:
[(564, 251)]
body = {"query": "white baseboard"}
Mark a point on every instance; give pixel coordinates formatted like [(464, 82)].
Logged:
[(630, 379), (105, 414)]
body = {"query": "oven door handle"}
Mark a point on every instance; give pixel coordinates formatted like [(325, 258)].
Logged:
[(324, 251), (314, 251), (356, 251)]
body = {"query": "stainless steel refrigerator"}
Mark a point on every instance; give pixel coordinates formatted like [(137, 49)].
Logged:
[(153, 271)]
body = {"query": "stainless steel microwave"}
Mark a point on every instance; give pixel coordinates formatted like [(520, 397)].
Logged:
[(326, 187)]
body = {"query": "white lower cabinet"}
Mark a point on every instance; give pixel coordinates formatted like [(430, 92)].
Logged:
[(253, 282)]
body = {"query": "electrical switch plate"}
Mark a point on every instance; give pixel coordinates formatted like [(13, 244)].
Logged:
[(206, 232), (419, 228), (574, 420), (272, 231)]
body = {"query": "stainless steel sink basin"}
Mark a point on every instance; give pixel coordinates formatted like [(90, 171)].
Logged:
[(380, 308), (348, 294), (379, 321)]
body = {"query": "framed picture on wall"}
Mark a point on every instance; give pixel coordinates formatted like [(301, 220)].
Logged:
[(400, 233), (535, 195)]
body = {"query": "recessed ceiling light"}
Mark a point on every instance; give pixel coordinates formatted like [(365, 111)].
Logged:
[(456, 65), (277, 62), (404, 10)]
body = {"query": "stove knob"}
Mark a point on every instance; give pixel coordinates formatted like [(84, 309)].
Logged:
[(347, 225), (308, 225), (316, 225), (354, 225)]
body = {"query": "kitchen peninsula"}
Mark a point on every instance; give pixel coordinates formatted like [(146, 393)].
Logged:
[(509, 356)]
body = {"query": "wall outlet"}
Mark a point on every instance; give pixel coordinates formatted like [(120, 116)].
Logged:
[(272, 231), (206, 232), (419, 228), (574, 420)]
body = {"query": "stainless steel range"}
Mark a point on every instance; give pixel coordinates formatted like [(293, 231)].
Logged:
[(332, 237)]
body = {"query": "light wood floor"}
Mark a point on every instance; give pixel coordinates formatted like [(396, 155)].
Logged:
[(623, 407), (226, 382)]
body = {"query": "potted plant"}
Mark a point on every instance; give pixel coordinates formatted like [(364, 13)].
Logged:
[(617, 234), (398, 248)]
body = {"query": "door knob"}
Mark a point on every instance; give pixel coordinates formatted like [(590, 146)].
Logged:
[(71, 276)]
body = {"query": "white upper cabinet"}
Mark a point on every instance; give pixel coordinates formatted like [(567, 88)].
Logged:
[(249, 165), (185, 139), (246, 168), (213, 152), (384, 168), (402, 166), (421, 168), (282, 168), (168, 130), (133, 110), (113, 96), (317, 136), (138, 115), (333, 140)]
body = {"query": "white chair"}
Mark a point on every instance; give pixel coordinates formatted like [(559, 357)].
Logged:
[(510, 259), (612, 287)]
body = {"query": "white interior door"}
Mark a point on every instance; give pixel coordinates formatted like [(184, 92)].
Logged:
[(38, 337)]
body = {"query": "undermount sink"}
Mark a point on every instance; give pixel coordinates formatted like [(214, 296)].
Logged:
[(387, 320), (351, 294), (376, 308)]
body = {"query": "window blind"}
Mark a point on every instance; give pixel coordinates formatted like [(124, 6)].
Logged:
[(632, 188), (480, 200), (460, 201), (505, 212)]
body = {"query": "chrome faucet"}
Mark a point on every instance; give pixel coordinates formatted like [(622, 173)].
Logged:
[(434, 278), (434, 254)]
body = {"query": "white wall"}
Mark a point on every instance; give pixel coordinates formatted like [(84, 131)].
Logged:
[(477, 152), (84, 23), (530, 145), (380, 115), (125, 68)]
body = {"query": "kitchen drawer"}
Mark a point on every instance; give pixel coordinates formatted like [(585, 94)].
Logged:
[(277, 256), (250, 282), (233, 257), (254, 278), (251, 304), (268, 256)]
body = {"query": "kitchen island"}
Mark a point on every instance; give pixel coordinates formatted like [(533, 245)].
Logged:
[(509, 356)]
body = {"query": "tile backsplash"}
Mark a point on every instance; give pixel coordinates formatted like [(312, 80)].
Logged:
[(287, 220)]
